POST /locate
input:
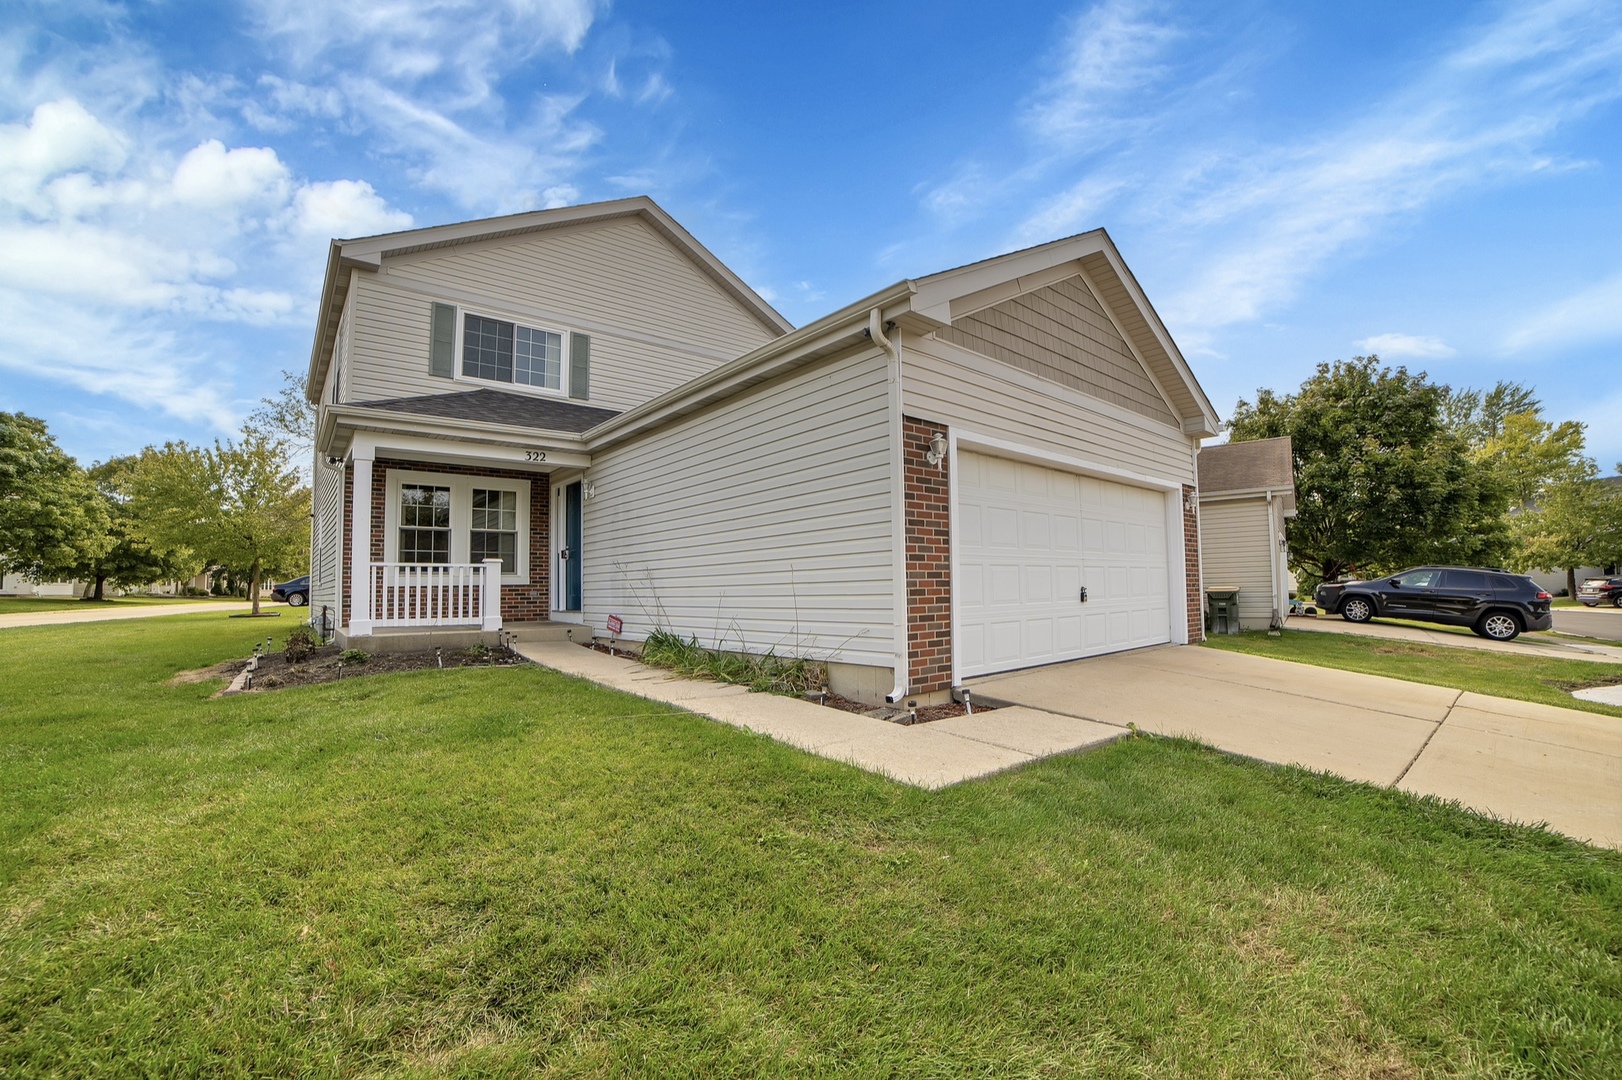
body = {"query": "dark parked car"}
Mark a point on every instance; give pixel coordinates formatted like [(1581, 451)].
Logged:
[(1600, 590), (295, 592), (1493, 603)]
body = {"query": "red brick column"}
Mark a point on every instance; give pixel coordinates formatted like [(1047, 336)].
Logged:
[(929, 560), (523, 602), (346, 531), (1191, 562)]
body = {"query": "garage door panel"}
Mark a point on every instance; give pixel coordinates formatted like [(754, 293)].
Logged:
[(1029, 538)]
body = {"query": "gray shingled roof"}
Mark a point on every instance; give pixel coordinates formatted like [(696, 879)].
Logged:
[(1247, 466), (500, 407)]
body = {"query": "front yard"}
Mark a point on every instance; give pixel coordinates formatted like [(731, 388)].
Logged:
[(1529, 677), (17, 605), (506, 871)]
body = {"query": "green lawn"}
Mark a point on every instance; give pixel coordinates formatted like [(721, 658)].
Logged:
[(508, 872), (14, 605), (1526, 677)]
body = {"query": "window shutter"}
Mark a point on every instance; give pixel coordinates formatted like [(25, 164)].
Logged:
[(579, 366), (442, 352)]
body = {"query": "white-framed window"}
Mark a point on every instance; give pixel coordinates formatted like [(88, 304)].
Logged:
[(493, 349), (439, 518)]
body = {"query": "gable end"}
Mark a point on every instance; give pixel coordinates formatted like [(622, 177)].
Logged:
[(1060, 332)]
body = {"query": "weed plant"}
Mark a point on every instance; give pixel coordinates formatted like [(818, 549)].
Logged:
[(768, 673)]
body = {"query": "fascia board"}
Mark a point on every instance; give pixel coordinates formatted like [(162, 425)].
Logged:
[(360, 418), (843, 327)]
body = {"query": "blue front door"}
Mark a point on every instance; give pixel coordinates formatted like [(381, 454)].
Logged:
[(571, 547)]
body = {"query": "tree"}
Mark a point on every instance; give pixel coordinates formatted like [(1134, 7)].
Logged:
[(127, 558), (1382, 480), (51, 518), (1577, 523), (1478, 416), (287, 418), (239, 505), (1531, 455)]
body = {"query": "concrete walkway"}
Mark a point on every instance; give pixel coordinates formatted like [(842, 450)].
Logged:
[(1513, 759), (1556, 648), (926, 755), (102, 614), (1517, 760)]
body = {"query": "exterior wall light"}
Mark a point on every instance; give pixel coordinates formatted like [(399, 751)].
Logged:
[(1191, 501), (937, 449), (588, 490)]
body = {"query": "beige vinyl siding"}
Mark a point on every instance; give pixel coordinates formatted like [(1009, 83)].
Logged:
[(326, 536), (390, 344), (955, 386), (762, 523), (1235, 552), (1059, 332)]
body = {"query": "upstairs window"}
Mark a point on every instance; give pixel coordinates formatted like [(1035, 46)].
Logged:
[(507, 352)]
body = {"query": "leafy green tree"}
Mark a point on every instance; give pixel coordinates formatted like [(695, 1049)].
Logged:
[(1382, 480), (128, 558), (1531, 455), (238, 505), (287, 418), (51, 518), (1576, 523), (1479, 415)]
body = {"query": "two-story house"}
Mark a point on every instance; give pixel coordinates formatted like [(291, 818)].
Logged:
[(552, 418)]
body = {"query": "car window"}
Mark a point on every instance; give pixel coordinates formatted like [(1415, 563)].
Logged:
[(1418, 579), (1465, 579), (1504, 581)]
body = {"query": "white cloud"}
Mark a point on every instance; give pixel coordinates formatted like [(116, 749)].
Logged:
[(212, 176), (60, 137), (1590, 315), (1112, 50), (1399, 346), (343, 209)]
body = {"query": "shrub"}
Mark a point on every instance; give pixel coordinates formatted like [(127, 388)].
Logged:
[(354, 656), (298, 646)]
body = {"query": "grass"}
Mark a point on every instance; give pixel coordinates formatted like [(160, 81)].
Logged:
[(16, 605), (767, 673), (1547, 680), (507, 872)]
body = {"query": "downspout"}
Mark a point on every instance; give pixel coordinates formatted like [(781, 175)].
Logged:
[(898, 497), (1272, 561)]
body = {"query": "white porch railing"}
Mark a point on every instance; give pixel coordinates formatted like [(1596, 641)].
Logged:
[(445, 594)]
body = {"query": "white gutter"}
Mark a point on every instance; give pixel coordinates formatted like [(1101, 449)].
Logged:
[(898, 497)]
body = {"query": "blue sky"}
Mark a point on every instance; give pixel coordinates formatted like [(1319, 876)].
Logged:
[(1291, 183)]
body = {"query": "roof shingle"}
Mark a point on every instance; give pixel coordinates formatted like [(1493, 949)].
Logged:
[(500, 407)]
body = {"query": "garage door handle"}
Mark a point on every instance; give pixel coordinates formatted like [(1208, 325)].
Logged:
[(1083, 594)]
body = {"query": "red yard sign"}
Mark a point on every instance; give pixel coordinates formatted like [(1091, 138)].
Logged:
[(615, 626)]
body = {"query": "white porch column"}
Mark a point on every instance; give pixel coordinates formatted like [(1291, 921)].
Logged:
[(360, 548), (490, 595)]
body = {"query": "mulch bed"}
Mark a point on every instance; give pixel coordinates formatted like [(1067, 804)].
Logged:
[(276, 672)]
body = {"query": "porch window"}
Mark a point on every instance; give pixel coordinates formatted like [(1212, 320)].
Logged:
[(495, 527), (425, 524)]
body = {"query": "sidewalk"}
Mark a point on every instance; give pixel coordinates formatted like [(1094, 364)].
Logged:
[(99, 614), (1525, 645), (929, 756)]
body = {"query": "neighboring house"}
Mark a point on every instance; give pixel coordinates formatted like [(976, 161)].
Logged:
[(1556, 582), (980, 470), (18, 585), (1247, 492)]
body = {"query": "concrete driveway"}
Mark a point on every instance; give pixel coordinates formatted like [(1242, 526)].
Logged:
[(1513, 759), (104, 614), (1553, 646)]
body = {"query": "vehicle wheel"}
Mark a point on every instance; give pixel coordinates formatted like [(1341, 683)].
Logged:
[(1357, 609), (297, 599), (1616, 601), (1499, 626)]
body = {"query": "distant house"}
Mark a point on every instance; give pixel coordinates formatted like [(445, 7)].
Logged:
[(1247, 492), (569, 417), (1555, 581)]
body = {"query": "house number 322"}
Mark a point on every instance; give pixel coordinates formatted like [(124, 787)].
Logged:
[(534, 455)]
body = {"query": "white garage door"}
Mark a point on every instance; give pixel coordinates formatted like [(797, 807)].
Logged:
[(1028, 539)]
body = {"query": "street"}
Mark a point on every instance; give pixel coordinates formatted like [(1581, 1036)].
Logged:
[(1601, 622)]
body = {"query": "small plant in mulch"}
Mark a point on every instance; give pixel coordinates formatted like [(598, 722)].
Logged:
[(354, 656), (299, 645)]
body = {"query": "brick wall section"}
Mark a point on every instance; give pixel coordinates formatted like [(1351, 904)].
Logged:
[(525, 602), (929, 560), (1191, 563)]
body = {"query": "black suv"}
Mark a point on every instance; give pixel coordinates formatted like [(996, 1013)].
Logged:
[(1601, 590), (1493, 603)]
